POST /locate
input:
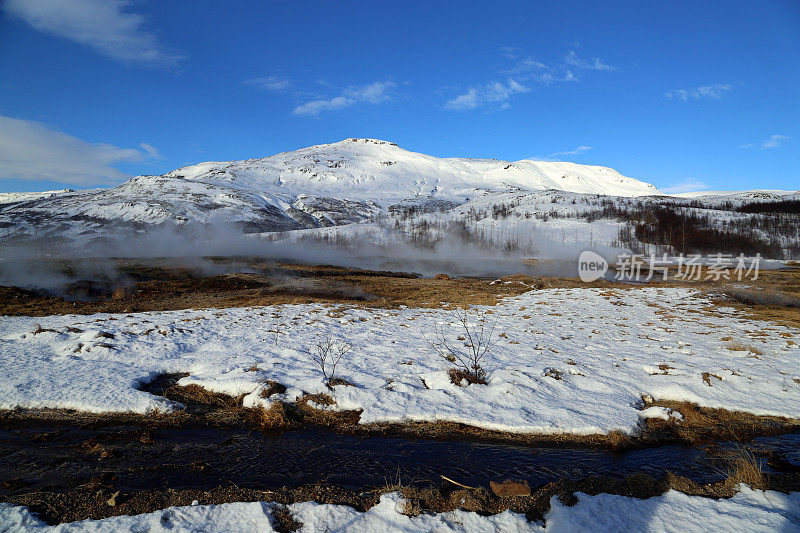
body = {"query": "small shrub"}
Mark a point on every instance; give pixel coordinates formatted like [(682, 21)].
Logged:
[(471, 347), (326, 353)]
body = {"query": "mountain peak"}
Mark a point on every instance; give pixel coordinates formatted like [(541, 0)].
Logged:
[(377, 170), (367, 141)]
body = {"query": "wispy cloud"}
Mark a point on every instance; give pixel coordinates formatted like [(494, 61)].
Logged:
[(34, 151), (594, 63), (713, 91), (522, 64), (491, 93), (270, 83), (773, 141), (687, 185), (150, 150), (580, 149), (373, 93), (100, 24), (523, 70)]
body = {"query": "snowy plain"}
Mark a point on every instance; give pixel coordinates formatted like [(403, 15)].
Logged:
[(748, 510), (567, 360)]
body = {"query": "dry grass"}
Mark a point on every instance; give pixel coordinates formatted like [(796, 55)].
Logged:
[(738, 346), (197, 395), (458, 376), (702, 424), (274, 417), (333, 382), (706, 376), (272, 387), (554, 373), (39, 329), (283, 521), (744, 467), (166, 289)]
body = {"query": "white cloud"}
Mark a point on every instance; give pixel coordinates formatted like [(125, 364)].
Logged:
[(150, 150), (373, 93), (34, 151), (773, 141), (687, 185), (578, 150), (527, 68), (511, 52), (549, 78), (270, 83), (525, 65), (594, 64), (99, 24), (494, 92), (468, 100), (715, 91)]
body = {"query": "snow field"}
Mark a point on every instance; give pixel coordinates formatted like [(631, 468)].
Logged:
[(567, 360)]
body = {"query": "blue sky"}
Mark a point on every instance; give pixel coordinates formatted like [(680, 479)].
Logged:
[(683, 94)]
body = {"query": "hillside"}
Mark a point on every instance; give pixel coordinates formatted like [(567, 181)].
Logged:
[(319, 186)]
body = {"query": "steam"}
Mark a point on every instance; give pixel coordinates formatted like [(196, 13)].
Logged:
[(56, 267)]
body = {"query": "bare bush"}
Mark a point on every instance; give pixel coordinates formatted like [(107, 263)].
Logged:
[(326, 352), (468, 343)]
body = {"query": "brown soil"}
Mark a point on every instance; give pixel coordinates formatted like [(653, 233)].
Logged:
[(91, 501), (156, 288), (699, 425), (163, 289)]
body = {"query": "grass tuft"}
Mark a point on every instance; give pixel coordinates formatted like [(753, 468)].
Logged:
[(459, 375), (737, 346), (744, 467)]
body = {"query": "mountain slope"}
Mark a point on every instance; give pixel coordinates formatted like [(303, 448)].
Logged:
[(379, 170), (319, 186)]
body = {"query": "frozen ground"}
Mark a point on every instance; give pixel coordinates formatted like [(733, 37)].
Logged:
[(748, 510), (567, 360)]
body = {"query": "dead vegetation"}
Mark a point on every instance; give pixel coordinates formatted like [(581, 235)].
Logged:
[(744, 467), (738, 346), (326, 353), (467, 341), (90, 502), (700, 425), (39, 329), (272, 387), (460, 377), (166, 288)]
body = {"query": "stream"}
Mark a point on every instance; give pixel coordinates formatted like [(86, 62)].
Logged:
[(131, 458)]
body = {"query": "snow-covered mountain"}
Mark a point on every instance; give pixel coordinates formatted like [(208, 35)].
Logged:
[(319, 186), (369, 169)]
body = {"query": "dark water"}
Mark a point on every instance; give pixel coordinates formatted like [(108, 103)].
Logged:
[(131, 459)]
